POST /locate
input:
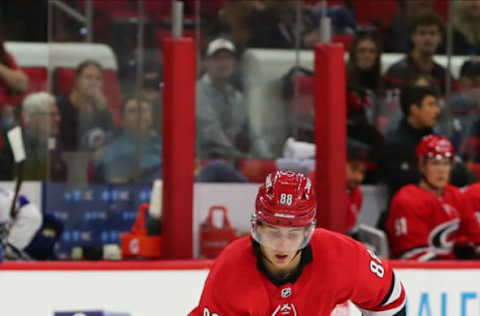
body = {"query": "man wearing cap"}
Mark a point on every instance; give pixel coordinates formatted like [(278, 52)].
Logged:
[(223, 129)]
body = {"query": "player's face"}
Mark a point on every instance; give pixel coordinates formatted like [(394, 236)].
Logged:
[(355, 173), (426, 114), (426, 39), (366, 54), (280, 244), (437, 171)]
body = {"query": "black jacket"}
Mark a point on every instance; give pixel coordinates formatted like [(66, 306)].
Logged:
[(398, 162)]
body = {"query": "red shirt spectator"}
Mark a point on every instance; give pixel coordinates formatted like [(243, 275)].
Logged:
[(12, 80), (9, 67)]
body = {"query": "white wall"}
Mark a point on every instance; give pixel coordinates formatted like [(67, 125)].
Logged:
[(140, 293), (430, 291)]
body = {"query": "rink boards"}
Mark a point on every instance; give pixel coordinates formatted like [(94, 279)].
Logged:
[(174, 287)]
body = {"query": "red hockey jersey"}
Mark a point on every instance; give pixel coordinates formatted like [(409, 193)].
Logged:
[(472, 196), (340, 269), (422, 226), (472, 193), (353, 202)]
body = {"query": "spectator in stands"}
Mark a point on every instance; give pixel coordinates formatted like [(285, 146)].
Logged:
[(463, 108), (298, 93), (420, 110), (356, 169), (341, 17), (152, 92), (430, 219), (359, 129), (466, 27), (12, 78), (41, 130), (234, 20), (426, 32), (397, 161), (393, 109), (223, 129), (397, 39), (12, 81), (86, 120), (219, 171), (135, 153), (363, 70), (275, 27), (363, 66)]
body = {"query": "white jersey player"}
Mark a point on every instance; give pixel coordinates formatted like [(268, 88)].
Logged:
[(19, 228)]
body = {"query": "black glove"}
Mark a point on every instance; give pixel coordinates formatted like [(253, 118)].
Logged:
[(466, 252)]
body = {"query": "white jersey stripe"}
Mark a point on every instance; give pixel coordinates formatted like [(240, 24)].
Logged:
[(396, 291)]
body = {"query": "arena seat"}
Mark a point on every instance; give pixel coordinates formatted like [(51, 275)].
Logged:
[(37, 81), (61, 59), (256, 169), (345, 39), (377, 13)]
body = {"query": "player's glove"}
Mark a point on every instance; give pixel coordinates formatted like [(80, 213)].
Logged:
[(467, 252)]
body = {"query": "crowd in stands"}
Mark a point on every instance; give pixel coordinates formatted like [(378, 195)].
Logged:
[(389, 111)]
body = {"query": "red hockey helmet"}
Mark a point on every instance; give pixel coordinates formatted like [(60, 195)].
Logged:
[(434, 146), (286, 199)]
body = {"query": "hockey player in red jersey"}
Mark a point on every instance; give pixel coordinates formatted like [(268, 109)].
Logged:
[(472, 193), (472, 196), (431, 220), (287, 267)]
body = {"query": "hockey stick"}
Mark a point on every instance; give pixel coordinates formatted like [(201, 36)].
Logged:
[(18, 184), (16, 143)]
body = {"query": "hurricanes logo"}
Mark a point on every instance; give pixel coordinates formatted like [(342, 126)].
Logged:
[(285, 310), (286, 292), (441, 238)]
